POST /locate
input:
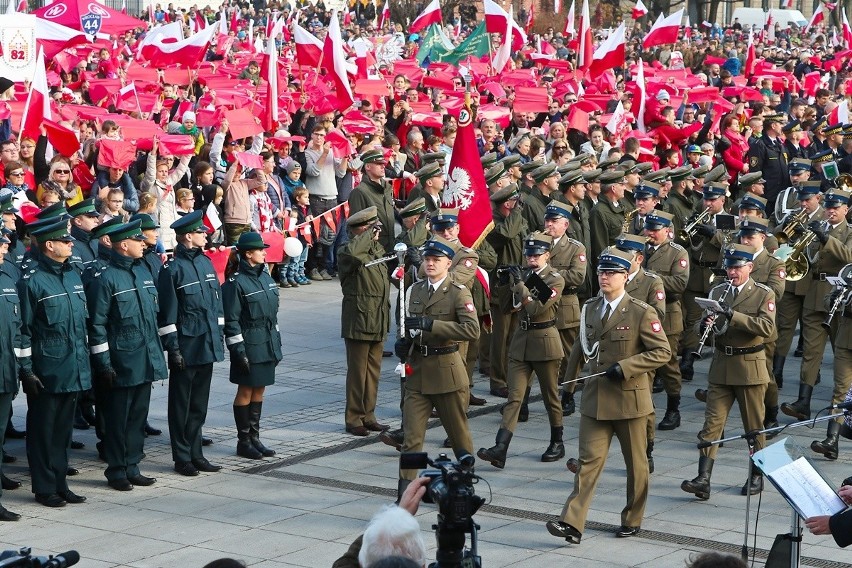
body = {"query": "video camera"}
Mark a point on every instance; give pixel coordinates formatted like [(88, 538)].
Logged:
[(25, 559), (451, 488)]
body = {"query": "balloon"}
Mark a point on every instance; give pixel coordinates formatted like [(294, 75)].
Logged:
[(293, 247)]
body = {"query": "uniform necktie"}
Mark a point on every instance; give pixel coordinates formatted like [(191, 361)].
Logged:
[(607, 311), (734, 293), (431, 290)]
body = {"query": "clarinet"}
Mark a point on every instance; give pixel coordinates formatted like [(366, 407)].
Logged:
[(709, 329)]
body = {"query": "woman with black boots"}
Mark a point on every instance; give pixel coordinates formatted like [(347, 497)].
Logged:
[(250, 299)]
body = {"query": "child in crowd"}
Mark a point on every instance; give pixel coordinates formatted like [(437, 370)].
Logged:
[(294, 271), (111, 207)]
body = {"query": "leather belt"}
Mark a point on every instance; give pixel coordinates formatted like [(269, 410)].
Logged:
[(820, 275), (537, 324), (427, 351), (728, 350), (569, 291)]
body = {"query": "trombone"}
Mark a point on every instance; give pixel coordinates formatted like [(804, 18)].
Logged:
[(709, 329)]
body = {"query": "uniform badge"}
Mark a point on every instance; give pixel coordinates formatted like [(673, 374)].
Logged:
[(683, 263), (656, 327), (661, 295), (753, 161), (582, 257), (770, 306), (783, 274), (469, 307), (553, 293), (468, 263)]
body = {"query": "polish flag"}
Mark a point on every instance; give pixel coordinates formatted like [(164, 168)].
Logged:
[(847, 31), (840, 113), (815, 20), (748, 68), (584, 56), (308, 47), (37, 108), (570, 30), (610, 53), (431, 15), (53, 37), (123, 6), (787, 4), (335, 64), (495, 22), (200, 21), (385, 19), (169, 33), (187, 52), (223, 22), (557, 6), (618, 120), (504, 52), (127, 98), (664, 31), (530, 19), (211, 218), (687, 30), (639, 10), (21, 7), (270, 62), (640, 82)]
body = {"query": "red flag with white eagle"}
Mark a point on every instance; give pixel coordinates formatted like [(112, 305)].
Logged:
[(639, 10)]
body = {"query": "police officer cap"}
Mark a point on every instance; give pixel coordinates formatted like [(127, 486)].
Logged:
[(569, 167), (627, 242), (430, 170), (777, 117), (714, 191), (717, 174), (488, 159), (55, 211), (444, 219), (792, 126), (751, 225), (822, 157), (373, 156), (808, 190), (148, 222), (657, 220), (657, 176), (835, 198), (738, 255), (131, 230), (556, 209), (106, 228), (251, 241), (614, 260), (437, 246), (537, 243), (608, 163), (797, 165), (529, 166), (612, 176), (363, 217), (572, 177), (6, 204), (543, 172), (510, 161), (819, 124), (751, 178), (752, 202), (414, 208), (436, 157), (85, 207), (190, 223), (494, 173), (647, 189), (592, 176), (55, 231), (833, 129), (682, 173), (506, 193)]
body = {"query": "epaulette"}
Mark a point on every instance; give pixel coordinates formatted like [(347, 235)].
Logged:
[(652, 274), (575, 242), (639, 302), (764, 286), (554, 273), (459, 286), (590, 300), (676, 246)]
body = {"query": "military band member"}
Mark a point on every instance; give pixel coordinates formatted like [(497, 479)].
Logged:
[(738, 371), (546, 183), (607, 217), (624, 341), (680, 201), (536, 347), (10, 349), (574, 185), (647, 198), (788, 199)]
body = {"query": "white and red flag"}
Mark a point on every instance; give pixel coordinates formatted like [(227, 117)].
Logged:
[(431, 15), (639, 10), (308, 47), (847, 31), (335, 64), (162, 51), (37, 109), (570, 30), (584, 56), (816, 19), (609, 54), (664, 31), (495, 22)]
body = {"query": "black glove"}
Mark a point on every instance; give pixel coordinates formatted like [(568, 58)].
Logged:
[(615, 372), (413, 257), (401, 348), (706, 230), (515, 275), (105, 378), (242, 362), (419, 322), (176, 362), (31, 384), (820, 229)]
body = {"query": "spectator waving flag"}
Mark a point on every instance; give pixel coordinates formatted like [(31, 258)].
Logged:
[(431, 15)]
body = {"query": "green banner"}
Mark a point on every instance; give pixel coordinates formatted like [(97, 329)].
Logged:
[(434, 48)]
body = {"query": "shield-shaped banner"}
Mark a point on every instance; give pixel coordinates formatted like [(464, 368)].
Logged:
[(18, 46), (91, 23)]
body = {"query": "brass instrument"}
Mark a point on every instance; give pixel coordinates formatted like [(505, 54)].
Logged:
[(628, 220), (709, 329), (844, 182), (795, 258), (688, 230), (792, 223)]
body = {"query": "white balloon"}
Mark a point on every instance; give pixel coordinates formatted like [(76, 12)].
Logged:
[(293, 247)]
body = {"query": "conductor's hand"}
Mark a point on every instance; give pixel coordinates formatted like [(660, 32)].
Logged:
[(615, 372), (413, 494)]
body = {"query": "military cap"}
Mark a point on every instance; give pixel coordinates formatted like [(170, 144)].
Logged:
[(106, 228), (833, 129), (847, 131), (444, 219), (505, 194), (643, 167), (510, 161), (808, 189), (738, 255), (529, 166), (614, 260), (6, 205), (190, 223), (608, 163), (572, 177), (437, 246), (714, 191), (55, 231), (792, 126), (819, 124), (251, 241), (751, 224), (752, 202), (835, 198), (373, 156), (610, 177), (682, 173), (85, 207), (799, 165), (658, 220), (694, 149), (700, 171), (537, 243), (581, 158), (414, 208), (627, 242), (363, 217), (148, 222), (569, 167), (657, 176), (822, 157), (556, 209), (541, 173), (55, 211), (777, 117), (647, 189), (718, 173), (131, 230), (488, 159), (428, 171), (751, 178), (438, 157), (627, 166), (592, 176), (494, 173)]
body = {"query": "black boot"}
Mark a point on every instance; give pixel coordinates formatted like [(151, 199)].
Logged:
[(828, 447), (700, 486), (649, 451), (800, 349), (244, 446), (524, 414), (658, 385), (801, 409), (254, 435), (568, 405), (556, 449), (771, 421), (496, 455), (778, 369), (687, 359), (672, 418), (754, 485), (401, 486)]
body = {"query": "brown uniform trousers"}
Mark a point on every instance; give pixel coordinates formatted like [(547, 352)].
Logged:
[(769, 271), (740, 377), (632, 337), (438, 380), (568, 257)]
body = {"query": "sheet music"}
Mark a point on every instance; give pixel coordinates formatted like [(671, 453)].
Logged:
[(806, 490), (708, 304)]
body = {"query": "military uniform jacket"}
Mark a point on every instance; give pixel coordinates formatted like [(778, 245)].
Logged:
[(770, 271), (670, 261), (534, 207), (649, 288), (507, 239), (605, 222), (54, 342), (770, 158), (123, 324), (578, 229), (369, 193), (487, 262), (11, 270), (10, 334), (844, 329), (85, 249), (568, 257), (706, 254), (681, 207), (828, 261), (98, 265), (191, 316), (633, 337), (455, 319), (17, 251), (365, 314), (250, 299), (753, 324), (538, 344)]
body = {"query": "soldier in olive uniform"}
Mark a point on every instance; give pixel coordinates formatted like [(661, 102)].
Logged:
[(681, 200), (191, 321), (375, 191), (54, 360), (126, 352), (10, 349), (431, 178), (546, 183), (440, 314), (738, 371), (536, 347), (365, 318), (574, 185), (624, 341), (250, 301), (607, 217)]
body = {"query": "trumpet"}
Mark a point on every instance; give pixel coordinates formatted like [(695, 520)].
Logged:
[(628, 220), (689, 229), (709, 329), (792, 224), (841, 298)]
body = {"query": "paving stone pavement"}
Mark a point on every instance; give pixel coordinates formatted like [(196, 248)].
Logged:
[(307, 504)]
